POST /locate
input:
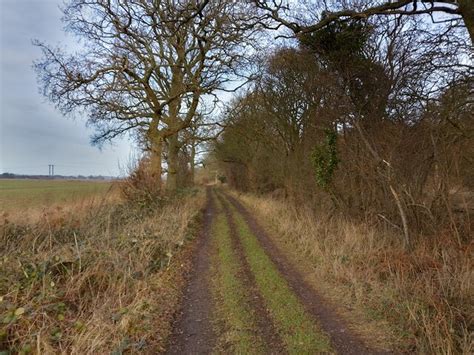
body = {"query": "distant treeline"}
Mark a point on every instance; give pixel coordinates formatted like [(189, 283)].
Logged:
[(56, 177)]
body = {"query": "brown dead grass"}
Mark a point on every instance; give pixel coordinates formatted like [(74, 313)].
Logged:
[(421, 301), (102, 280)]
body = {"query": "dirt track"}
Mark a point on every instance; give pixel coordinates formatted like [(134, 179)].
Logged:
[(193, 330), (266, 328)]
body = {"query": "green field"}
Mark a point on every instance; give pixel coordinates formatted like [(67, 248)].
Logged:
[(24, 194)]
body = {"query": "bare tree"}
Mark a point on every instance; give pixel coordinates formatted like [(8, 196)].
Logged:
[(369, 85), (350, 10), (145, 67)]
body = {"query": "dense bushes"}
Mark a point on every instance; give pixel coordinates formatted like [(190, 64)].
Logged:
[(141, 187), (360, 133)]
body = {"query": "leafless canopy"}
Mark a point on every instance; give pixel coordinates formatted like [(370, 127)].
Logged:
[(143, 64), (330, 11)]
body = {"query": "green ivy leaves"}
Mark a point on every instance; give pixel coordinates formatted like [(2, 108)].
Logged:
[(325, 159)]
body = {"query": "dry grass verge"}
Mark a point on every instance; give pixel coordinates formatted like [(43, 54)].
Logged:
[(421, 301), (104, 282)]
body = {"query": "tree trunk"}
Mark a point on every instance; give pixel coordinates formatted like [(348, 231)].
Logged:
[(403, 215), (388, 177), (173, 150), (192, 162), (466, 7), (156, 159), (174, 124)]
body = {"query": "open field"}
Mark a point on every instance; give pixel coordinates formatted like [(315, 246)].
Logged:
[(33, 194)]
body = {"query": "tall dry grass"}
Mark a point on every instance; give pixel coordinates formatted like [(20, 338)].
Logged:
[(422, 300), (92, 282)]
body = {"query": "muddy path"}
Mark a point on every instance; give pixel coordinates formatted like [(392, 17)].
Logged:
[(266, 328), (193, 330), (270, 307)]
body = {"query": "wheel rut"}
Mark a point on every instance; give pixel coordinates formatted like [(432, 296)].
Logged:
[(343, 340), (193, 330)]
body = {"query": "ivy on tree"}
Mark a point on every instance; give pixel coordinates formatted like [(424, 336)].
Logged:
[(325, 159)]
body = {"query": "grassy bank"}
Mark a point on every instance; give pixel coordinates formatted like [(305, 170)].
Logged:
[(105, 281), (419, 301)]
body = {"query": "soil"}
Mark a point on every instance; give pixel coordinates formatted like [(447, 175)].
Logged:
[(193, 330), (343, 340), (173, 282)]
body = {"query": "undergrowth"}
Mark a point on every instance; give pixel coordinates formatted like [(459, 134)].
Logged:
[(95, 281)]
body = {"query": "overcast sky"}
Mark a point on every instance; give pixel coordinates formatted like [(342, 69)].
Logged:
[(32, 133)]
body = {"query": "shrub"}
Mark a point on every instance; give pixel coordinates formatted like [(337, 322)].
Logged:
[(141, 188)]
